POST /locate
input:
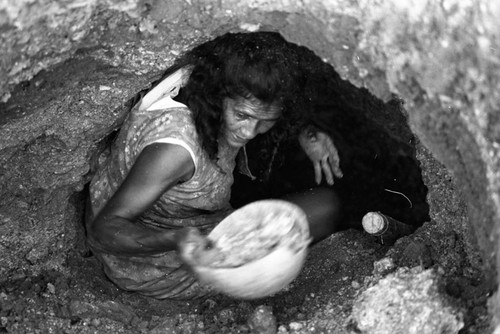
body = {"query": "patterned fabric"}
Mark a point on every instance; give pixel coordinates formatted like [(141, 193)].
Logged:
[(197, 202), (202, 201)]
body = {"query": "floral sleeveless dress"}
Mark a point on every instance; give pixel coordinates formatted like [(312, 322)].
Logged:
[(201, 202)]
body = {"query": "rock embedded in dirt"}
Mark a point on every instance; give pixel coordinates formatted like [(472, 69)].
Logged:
[(36, 254), (407, 301), (109, 309), (226, 316), (296, 326), (167, 326), (417, 253), (263, 321), (383, 266)]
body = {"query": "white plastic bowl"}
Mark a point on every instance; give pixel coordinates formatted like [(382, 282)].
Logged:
[(269, 274)]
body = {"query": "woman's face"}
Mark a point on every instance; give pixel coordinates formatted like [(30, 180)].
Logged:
[(246, 118)]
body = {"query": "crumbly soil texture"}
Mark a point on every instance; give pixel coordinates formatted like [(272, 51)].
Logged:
[(379, 157), (320, 300)]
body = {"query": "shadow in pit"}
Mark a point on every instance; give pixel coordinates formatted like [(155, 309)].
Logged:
[(375, 145)]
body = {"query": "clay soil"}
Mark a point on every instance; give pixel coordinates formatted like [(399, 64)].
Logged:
[(320, 300)]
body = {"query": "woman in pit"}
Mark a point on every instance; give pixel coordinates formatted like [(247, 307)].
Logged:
[(171, 166)]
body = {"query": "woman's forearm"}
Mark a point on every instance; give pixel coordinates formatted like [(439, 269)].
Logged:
[(116, 235)]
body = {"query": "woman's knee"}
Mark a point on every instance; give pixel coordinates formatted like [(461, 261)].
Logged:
[(322, 207)]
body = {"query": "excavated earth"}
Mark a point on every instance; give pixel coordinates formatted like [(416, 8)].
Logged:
[(409, 100)]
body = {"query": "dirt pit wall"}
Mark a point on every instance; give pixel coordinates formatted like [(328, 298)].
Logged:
[(69, 69)]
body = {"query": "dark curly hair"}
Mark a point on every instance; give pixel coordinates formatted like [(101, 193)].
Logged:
[(257, 64)]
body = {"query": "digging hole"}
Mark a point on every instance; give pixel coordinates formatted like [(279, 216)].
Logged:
[(381, 173), (375, 145)]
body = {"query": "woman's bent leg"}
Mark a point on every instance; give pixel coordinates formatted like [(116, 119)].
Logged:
[(322, 208), (162, 277)]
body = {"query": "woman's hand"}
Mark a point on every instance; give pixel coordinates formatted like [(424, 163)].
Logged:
[(188, 240), (323, 154), (195, 248)]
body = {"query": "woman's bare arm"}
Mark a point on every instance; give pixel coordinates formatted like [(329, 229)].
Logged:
[(159, 167)]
